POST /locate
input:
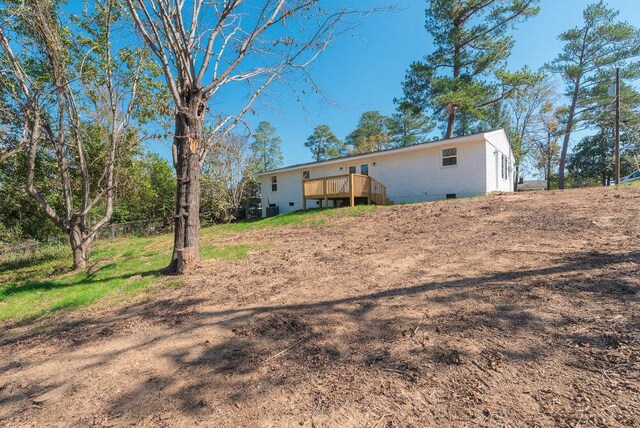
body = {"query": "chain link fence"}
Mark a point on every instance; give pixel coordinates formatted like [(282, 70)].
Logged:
[(136, 228), (30, 249), (24, 249)]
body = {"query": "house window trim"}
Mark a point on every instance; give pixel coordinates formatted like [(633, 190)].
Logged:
[(504, 171), (367, 168), (355, 169), (306, 175), (274, 183), (443, 157)]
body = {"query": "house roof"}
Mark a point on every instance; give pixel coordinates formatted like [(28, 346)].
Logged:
[(456, 140)]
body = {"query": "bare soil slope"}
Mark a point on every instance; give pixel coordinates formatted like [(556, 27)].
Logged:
[(510, 310)]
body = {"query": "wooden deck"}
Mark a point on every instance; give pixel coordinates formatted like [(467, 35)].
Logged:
[(344, 187)]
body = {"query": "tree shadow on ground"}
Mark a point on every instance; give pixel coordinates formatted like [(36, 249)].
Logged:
[(259, 348), (23, 262), (84, 279)]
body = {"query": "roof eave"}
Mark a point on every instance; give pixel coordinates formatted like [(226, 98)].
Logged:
[(465, 138)]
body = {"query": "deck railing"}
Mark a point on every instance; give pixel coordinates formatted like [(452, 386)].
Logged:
[(347, 186)]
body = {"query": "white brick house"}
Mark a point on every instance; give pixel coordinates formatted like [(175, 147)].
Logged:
[(460, 167)]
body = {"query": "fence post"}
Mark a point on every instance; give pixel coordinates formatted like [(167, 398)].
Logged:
[(352, 199), (324, 193), (304, 197)]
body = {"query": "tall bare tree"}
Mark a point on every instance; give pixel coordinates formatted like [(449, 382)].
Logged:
[(204, 46), (45, 80), (546, 148), (524, 120), (228, 173), (589, 53)]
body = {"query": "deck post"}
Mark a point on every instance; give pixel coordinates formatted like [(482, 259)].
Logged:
[(352, 199), (324, 193), (369, 193), (304, 198)]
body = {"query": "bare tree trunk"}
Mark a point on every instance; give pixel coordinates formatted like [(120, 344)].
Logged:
[(567, 134), (187, 140), (549, 165), (451, 122), (80, 244), (199, 58), (457, 69)]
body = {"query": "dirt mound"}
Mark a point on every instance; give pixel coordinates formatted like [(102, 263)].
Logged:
[(278, 326), (510, 310)]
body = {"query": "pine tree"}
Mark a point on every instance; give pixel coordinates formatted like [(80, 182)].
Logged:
[(324, 144), (591, 52), (266, 147), (465, 73), (407, 127), (371, 134)]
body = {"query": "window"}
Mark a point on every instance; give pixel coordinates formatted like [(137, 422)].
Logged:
[(364, 169), (451, 195), (505, 167), (291, 204), (352, 169), (450, 157), (274, 183), (306, 175)]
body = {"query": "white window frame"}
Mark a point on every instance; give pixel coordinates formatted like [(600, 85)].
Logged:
[(505, 167), (274, 182), (449, 156), (306, 175)]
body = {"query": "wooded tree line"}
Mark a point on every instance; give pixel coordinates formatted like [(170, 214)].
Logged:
[(465, 85), (86, 88), (83, 84)]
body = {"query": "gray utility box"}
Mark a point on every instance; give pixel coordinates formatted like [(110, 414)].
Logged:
[(273, 211)]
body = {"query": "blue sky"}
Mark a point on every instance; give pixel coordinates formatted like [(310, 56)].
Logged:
[(363, 70)]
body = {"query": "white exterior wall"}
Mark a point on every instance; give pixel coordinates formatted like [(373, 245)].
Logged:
[(289, 190), (414, 175), (496, 146)]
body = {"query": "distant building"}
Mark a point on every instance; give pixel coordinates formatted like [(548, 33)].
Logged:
[(532, 185), (459, 167)]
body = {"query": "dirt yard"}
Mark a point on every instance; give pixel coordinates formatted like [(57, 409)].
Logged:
[(510, 310)]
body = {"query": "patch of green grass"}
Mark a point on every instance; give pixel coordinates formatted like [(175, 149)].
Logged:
[(120, 269), (41, 284), (632, 183), (309, 217)]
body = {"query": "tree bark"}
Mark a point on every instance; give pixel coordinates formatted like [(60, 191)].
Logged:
[(548, 164), (451, 122), (457, 70), (567, 134), (187, 142), (80, 244)]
